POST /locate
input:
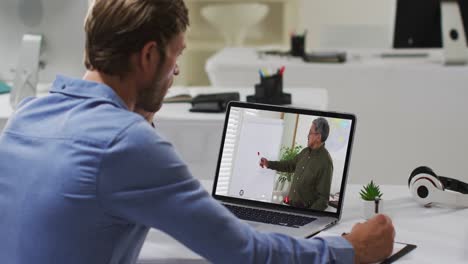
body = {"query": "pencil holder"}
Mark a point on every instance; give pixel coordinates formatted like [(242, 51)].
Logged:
[(298, 45), (270, 91)]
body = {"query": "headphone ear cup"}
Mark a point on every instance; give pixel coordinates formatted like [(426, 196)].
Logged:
[(419, 170), (427, 188)]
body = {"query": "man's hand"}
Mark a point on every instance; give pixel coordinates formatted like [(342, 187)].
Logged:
[(372, 240), (147, 115), (263, 163)]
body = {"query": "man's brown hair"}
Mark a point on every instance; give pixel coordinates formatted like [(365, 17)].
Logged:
[(115, 29)]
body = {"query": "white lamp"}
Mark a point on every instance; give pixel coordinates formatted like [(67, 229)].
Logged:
[(234, 20)]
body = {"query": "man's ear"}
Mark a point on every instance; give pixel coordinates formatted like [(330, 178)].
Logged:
[(148, 56)]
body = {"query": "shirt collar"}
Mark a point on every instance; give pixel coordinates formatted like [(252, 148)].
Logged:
[(317, 150), (86, 89)]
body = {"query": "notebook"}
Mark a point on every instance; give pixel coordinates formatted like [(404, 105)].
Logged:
[(301, 190)]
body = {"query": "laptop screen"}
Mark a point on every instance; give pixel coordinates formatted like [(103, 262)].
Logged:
[(284, 157)]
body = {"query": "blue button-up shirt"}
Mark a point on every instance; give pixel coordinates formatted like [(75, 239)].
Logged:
[(82, 179)]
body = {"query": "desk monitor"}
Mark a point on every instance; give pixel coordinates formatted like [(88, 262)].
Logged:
[(59, 22), (418, 23)]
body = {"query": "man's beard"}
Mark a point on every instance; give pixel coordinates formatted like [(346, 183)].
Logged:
[(150, 98), (147, 99)]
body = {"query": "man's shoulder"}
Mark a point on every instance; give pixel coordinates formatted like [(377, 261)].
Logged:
[(139, 133), (305, 150), (327, 157), (101, 120), (113, 124), (94, 121)]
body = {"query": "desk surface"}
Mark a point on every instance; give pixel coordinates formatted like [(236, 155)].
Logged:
[(239, 67), (440, 233), (5, 108), (249, 56)]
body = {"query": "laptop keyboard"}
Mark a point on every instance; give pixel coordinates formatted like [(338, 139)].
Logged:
[(269, 217)]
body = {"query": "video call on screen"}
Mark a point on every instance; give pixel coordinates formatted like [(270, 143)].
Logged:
[(254, 134)]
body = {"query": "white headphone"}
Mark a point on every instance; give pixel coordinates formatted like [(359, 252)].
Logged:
[(428, 188)]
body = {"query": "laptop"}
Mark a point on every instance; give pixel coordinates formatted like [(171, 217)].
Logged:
[(301, 201)]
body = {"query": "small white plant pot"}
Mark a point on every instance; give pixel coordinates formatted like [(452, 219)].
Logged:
[(371, 208)]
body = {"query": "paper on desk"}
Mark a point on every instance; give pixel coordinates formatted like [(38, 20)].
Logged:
[(397, 246), (178, 94)]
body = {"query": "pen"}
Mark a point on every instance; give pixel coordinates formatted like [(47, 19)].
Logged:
[(291, 33), (281, 71), (261, 73)]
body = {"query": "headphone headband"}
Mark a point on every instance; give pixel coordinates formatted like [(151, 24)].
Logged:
[(454, 185), (420, 170)]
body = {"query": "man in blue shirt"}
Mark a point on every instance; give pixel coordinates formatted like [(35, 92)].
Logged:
[(83, 175)]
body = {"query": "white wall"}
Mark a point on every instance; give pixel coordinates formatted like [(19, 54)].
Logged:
[(353, 16), (61, 25), (259, 137), (289, 126)]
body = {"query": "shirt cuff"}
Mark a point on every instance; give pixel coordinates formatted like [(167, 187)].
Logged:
[(341, 251), (272, 165)]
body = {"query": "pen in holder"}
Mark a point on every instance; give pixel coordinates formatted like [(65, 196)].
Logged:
[(270, 90), (298, 45)]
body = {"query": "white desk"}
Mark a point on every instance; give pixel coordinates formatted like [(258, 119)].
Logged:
[(197, 136), (409, 112), (441, 234), (5, 109), (239, 67)]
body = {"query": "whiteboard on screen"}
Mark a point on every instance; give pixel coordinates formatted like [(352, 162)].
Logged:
[(259, 137)]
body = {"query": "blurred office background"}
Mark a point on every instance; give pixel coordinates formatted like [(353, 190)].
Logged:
[(329, 24)]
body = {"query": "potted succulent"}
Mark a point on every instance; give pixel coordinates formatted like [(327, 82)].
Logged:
[(372, 200)]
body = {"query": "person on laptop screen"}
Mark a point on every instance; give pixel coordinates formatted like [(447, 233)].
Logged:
[(312, 167), (83, 175)]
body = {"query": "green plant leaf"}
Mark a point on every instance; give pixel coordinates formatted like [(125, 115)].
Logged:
[(370, 192), (288, 153)]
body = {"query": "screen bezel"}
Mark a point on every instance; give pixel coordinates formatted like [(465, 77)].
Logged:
[(291, 110)]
